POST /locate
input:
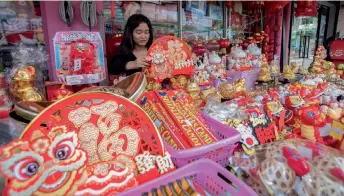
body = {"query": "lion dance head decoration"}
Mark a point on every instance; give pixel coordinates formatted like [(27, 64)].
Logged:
[(87, 144), (45, 164)]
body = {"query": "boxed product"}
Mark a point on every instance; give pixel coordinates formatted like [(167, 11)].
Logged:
[(79, 57)]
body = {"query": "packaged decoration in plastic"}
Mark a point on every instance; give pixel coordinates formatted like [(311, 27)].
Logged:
[(26, 78), (292, 167), (91, 144), (79, 57)]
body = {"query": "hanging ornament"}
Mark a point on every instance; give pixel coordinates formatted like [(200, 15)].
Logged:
[(306, 8), (199, 49), (273, 6), (224, 43)]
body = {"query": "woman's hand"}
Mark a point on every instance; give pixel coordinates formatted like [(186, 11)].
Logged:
[(138, 63)]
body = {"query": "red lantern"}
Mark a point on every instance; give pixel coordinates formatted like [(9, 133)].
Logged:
[(199, 49), (306, 8), (309, 4), (224, 43), (212, 45), (273, 6)]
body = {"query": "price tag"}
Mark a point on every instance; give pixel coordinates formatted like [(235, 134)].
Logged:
[(77, 64), (75, 79), (92, 78)]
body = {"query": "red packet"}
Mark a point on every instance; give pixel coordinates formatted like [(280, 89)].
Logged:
[(178, 116), (185, 105), (168, 131)]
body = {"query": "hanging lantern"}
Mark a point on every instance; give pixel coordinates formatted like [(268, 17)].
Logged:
[(212, 45), (224, 43), (273, 6), (306, 8), (199, 49)]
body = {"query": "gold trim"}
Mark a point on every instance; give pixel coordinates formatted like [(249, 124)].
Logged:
[(81, 93)]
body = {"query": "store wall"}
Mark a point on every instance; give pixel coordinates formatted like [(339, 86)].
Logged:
[(52, 23)]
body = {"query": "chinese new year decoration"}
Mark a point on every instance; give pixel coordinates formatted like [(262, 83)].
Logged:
[(87, 144), (169, 56)]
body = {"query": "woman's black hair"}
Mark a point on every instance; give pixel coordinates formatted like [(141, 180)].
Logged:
[(127, 45)]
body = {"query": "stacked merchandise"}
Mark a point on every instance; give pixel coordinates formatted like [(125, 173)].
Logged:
[(174, 115)]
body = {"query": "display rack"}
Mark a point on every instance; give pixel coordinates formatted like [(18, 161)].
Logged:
[(180, 28)]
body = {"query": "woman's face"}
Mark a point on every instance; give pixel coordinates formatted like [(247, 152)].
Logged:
[(141, 35)]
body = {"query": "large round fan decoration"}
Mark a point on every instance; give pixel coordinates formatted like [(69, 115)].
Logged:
[(91, 143), (169, 56)]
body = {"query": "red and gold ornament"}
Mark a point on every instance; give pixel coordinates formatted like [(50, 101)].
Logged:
[(224, 43)]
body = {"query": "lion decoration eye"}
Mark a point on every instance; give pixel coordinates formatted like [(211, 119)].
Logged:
[(310, 114), (296, 100), (25, 169), (64, 150)]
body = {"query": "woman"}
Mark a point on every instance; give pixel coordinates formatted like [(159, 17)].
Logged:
[(137, 38)]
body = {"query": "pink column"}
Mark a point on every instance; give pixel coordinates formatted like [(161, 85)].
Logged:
[(287, 17), (52, 23), (270, 21), (278, 34)]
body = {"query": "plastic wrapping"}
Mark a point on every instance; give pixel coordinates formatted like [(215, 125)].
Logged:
[(10, 129), (292, 167), (225, 113), (26, 78)]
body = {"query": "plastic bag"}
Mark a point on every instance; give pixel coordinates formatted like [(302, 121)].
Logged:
[(10, 129), (292, 167)]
